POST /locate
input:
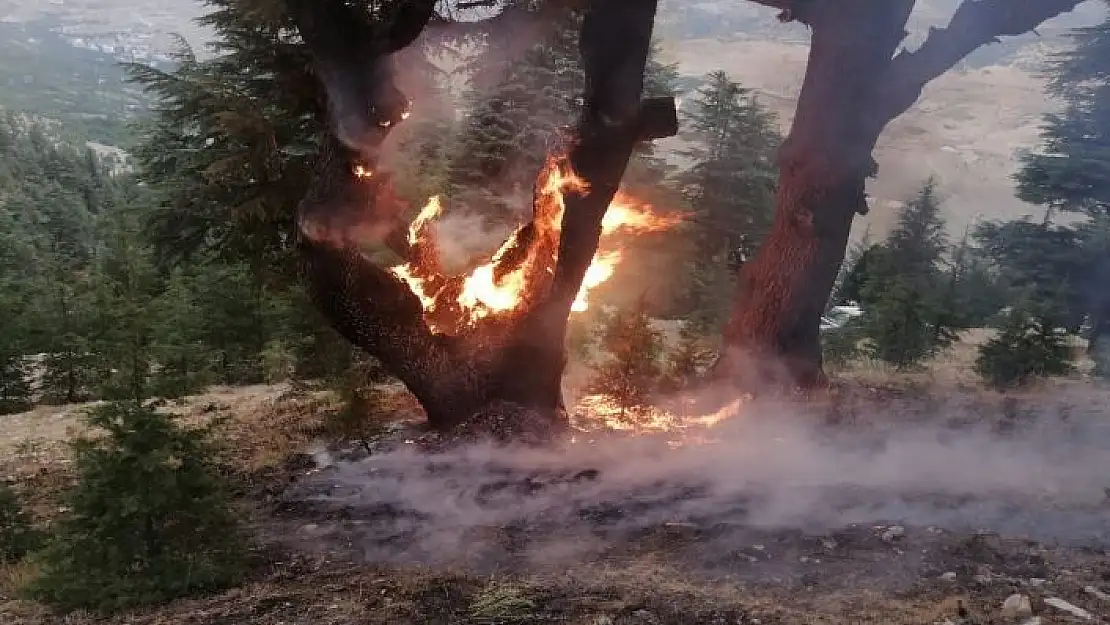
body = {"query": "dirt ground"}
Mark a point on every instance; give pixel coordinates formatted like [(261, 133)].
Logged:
[(634, 531)]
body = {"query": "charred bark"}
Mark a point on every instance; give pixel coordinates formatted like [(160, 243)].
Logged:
[(502, 376), (854, 86)]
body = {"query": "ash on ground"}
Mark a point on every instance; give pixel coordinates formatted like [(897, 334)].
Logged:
[(934, 489)]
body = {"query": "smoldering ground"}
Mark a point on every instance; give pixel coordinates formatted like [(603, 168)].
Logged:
[(726, 496)]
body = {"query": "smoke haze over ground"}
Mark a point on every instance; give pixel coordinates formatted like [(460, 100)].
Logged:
[(1040, 475)]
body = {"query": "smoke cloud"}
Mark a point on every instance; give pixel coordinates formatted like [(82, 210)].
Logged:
[(1041, 475)]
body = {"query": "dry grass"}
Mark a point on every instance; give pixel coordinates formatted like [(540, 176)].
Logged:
[(14, 577), (264, 424)]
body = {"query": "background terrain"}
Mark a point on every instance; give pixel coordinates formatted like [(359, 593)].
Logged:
[(965, 130)]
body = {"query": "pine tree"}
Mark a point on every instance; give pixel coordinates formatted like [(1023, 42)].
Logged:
[(730, 187), (1041, 262), (231, 146), (149, 519), (18, 537), (1095, 243), (1027, 347), (16, 301), (974, 290), (634, 347), (863, 262), (687, 360), (907, 317), (1071, 171), (125, 285), (66, 308), (184, 362), (233, 305), (519, 109)]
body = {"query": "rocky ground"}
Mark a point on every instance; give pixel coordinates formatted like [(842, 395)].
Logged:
[(882, 505)]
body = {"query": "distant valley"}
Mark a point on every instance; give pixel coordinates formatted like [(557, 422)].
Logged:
[(966, 130)]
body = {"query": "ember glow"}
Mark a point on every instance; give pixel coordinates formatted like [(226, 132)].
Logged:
[(502, 284), (362, 171), (599, 413)]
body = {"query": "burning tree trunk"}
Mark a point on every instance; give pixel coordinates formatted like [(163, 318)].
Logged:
[(502, 371), (855, 84)]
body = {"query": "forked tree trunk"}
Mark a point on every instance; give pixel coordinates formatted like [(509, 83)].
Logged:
[(503, 376), (854, 86), (772, 335)]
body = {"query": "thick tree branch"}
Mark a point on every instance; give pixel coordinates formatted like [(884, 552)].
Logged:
[(976, 23), (615, 42), (367, 304), (351, 50)]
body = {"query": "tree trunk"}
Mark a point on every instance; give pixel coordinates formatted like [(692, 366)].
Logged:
[(772, 337), (854, 86), (503, 375)]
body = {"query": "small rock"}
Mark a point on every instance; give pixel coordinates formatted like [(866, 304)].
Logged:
[(892, 533), (1096, 593), (1072, 609), (1037, 581), (950, 576), (1015, 606), (1036, 620), (828, 543)]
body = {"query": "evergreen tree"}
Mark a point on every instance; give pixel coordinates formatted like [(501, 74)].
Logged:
[(863, 261), (1071, 172), (1028, 346), (18, 537), (231, 146), (907, 316), (632, 370), (974, 291), (125, 286), (519, 110), (687, 360), (1039, 261), (1094, 236), (184, 362), (235, 331), (149, 519), (15, 388), (513, 122), (730, 187), (69, 369)]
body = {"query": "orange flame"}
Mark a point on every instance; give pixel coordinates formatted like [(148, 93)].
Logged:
[(419, 226), (596, 413), (502, 284)]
